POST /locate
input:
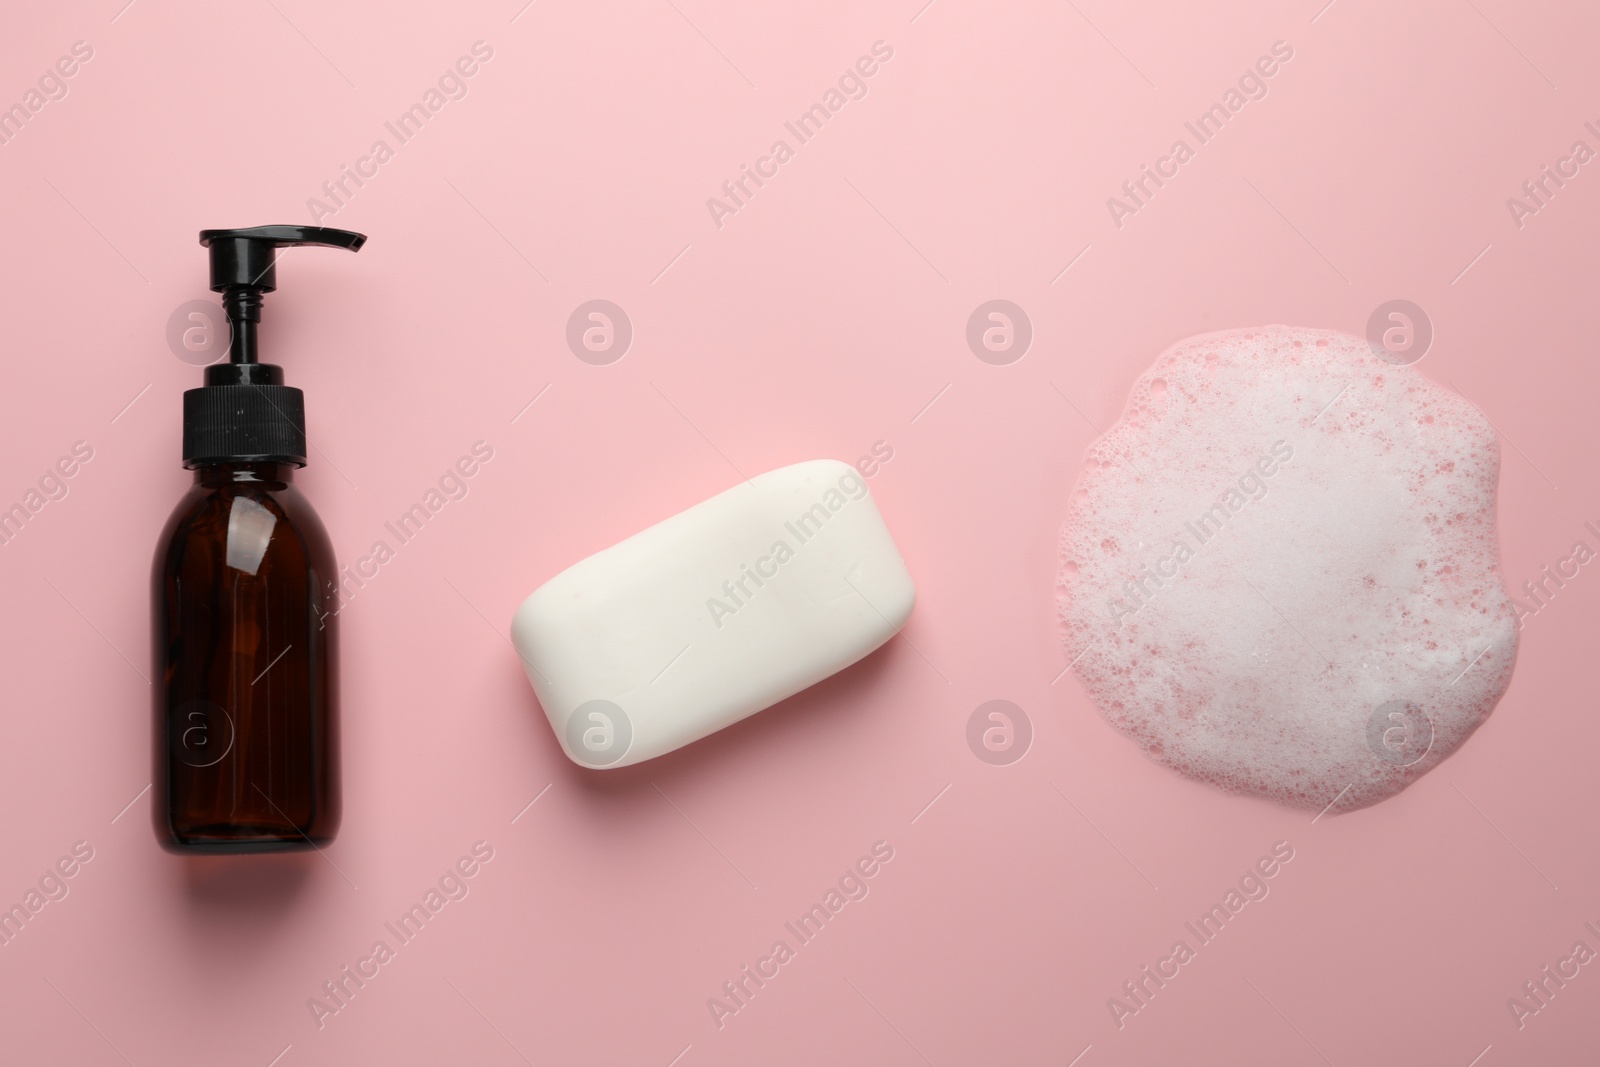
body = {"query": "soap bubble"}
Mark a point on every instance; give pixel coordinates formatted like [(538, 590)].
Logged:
[(599, 733), (1281, 572)]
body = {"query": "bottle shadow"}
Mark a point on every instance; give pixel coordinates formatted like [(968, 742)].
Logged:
[(247, 881), (238, 907)]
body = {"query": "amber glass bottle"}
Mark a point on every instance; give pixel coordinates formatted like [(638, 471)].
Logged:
[(246, 695), (247, 716)]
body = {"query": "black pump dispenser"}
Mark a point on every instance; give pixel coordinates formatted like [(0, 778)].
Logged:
[(244, 413)]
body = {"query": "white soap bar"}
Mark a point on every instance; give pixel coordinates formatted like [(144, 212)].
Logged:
[(713, 614)]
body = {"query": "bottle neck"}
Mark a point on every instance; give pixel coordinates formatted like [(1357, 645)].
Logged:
[(266, 475)]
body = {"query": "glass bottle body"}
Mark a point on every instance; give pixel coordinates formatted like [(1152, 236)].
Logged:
[(245, 689)]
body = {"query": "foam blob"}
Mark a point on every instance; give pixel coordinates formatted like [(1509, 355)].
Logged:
[(1280, 572)]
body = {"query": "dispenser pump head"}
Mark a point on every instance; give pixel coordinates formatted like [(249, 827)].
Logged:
[(244, 413)]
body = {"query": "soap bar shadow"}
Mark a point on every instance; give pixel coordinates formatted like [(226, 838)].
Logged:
[(824, 707)]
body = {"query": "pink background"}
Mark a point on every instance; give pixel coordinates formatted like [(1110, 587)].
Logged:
[(822, 317)]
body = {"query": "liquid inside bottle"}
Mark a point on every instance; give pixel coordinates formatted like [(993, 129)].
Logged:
[(245, 685)]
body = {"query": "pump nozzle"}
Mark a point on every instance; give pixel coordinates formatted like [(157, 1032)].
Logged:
[(244, 266), (244, 411)]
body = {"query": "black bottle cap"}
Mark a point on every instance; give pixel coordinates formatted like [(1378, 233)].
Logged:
[(244, 413)]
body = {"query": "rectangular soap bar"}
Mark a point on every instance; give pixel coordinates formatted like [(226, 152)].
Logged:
[(713, 614)]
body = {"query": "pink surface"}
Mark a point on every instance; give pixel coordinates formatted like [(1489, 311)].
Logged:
[(827, 313)]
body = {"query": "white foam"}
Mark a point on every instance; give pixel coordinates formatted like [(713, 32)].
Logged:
[(1341, 625)]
